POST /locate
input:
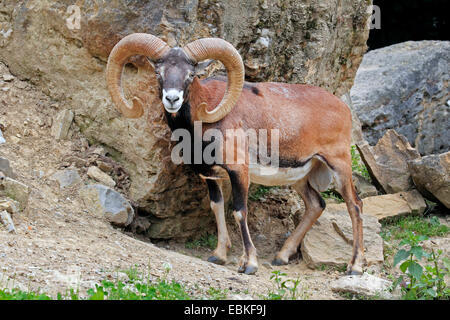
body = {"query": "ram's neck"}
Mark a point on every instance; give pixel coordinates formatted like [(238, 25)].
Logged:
[(208, 91)]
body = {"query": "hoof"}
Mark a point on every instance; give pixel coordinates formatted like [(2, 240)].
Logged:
[(248, 270), (354, 273), (278, 262), (251, 270), (216, 260)]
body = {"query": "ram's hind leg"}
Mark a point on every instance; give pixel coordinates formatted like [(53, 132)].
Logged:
[(219, 255), (314, 207), (344, 182)]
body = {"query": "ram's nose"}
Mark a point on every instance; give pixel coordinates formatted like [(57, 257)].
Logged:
[(172, 98)]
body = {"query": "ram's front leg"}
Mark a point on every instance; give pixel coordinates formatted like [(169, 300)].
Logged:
[(240, 183), (219, 255)]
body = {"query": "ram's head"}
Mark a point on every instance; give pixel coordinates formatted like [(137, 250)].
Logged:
[(175, 69)]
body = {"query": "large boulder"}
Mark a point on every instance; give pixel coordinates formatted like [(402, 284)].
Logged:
[(431, 174), (405, 87), (329, 241), (317, 42)]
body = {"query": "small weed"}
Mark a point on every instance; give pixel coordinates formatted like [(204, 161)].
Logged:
[(325, 267), (208, 241), (331, 194), (260, 191), (284, 289), (217, 294), (357, 164)]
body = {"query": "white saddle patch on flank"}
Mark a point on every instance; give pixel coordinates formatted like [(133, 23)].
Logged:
[(271, 176)]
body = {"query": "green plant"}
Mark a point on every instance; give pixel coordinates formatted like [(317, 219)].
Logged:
[(284, 289), (137, 287), (161, 290), (325, 267), (217, 294), (419, 282), (206, 241), (260, 191), (16, 294), (397, 229), (331, 194), (357, 164)]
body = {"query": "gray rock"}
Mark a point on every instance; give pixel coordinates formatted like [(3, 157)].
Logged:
[(329, 240), (66, 178), (5, 167), (365, 285), (431, 175), (111, 204), (405, 87), (61, 124), (363, 186), (357, 134), (15, 190), (7, 221)]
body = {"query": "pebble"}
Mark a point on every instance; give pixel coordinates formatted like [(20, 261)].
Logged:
[(98, 175), (2, 139), (8, 77)]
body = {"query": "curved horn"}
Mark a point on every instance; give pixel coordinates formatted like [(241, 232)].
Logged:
[(218, 49), (133, 44)]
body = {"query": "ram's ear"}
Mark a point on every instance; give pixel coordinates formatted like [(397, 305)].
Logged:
[(201, 66)]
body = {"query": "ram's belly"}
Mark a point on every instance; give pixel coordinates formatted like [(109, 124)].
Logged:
[(270, 176)]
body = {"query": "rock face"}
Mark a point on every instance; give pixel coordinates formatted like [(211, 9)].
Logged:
[(387, 162), (329, 240), (431, 174), (317, 42), (405, 87)]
